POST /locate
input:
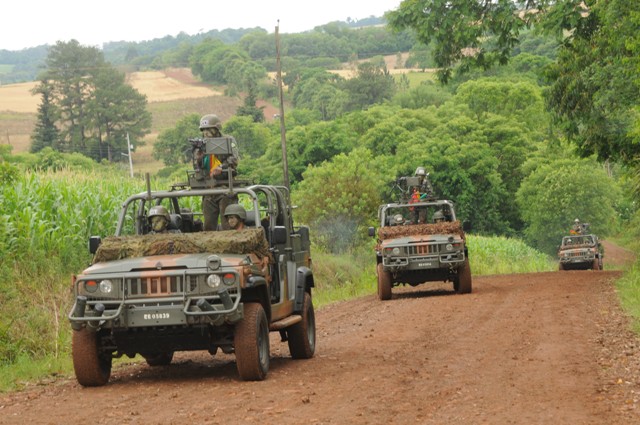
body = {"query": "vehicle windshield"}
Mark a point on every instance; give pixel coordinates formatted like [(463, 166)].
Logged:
[(407, 214), (568, 241)]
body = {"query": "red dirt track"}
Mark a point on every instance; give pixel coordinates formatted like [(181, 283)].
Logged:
[(544, 348)]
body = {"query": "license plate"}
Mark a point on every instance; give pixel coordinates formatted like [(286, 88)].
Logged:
[(424, 264), (156, 316)]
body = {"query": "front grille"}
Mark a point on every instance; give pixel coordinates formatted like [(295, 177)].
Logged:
[(422, 249), (574, 254), (160, 285)]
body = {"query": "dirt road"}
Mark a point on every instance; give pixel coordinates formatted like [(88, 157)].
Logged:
[(546, 348)]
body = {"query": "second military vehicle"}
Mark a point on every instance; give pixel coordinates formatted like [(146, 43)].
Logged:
[(420, 240), (580, 252)]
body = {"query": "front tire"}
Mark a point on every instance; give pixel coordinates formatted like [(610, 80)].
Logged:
[(464, 278), (302, 335), (384, 283), (92, 367), (251, 342)]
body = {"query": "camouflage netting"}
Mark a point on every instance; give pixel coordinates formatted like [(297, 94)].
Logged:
[(392, 232), (224, 242)]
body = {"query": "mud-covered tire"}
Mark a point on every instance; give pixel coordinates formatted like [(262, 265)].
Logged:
[(384, 283), (251, 342), (302, 335), (159, 359), (596, 264), (463, 280), (91, 366)]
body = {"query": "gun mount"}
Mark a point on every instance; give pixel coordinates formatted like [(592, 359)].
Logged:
[(222, 148)]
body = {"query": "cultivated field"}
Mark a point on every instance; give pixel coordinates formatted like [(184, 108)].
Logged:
[(171, 93)]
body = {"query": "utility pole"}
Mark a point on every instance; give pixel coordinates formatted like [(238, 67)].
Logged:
[(283, 138), (129, 155)]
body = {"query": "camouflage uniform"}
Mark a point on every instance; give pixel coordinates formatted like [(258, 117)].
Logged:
[(213, 206)]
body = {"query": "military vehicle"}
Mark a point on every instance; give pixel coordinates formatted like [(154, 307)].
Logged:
[(580, 252), (153, 294), (420, 240)]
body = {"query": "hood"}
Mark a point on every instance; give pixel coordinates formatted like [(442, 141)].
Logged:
[(162, 262), (419, 239)]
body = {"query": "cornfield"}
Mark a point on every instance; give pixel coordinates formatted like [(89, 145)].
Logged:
[(46, 219)]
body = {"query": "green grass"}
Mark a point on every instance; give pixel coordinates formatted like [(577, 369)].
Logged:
[(629, 292)]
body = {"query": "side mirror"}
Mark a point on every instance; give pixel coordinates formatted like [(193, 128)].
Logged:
[(94, 243), (372, 231), (279, 235)]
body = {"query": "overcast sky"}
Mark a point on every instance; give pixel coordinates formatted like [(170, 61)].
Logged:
[(32, 23)]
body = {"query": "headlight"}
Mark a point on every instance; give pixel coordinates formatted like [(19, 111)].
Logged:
[(214, 281), (106, 286), (449, 247), (396, 251)]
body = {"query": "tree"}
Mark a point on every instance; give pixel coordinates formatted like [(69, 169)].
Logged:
[(252, 137), (172, 146), (45, 133), (556, 193), (337, 198), (372, 84), (90, 101), (116, 110), (594, 89)]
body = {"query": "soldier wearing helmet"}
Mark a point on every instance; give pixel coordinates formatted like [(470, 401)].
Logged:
[(577, 227), (438, 217), (159, 219), (213, 207), (236, 215)]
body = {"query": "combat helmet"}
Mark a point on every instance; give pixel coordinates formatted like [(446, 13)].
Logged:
[(159, 210), (210, 121), (438, 216), (236, 209)]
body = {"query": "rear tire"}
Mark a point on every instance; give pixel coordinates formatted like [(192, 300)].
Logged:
[(159, 359), (92, 367), (464, 278), (384, 283), (302, 335), (251, 342)]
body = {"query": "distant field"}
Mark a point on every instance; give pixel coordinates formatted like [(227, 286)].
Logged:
[(171, 94)]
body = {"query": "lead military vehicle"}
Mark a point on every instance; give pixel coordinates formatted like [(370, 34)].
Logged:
[(420, 240), (154, 294)]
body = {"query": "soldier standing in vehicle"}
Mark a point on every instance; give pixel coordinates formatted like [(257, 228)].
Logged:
[(213, 207)]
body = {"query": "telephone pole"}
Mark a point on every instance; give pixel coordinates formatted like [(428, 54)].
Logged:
[(283, 138)]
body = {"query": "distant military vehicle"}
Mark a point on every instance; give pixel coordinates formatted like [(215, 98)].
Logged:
[(580, 252), (420, 240), (154, 294)]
